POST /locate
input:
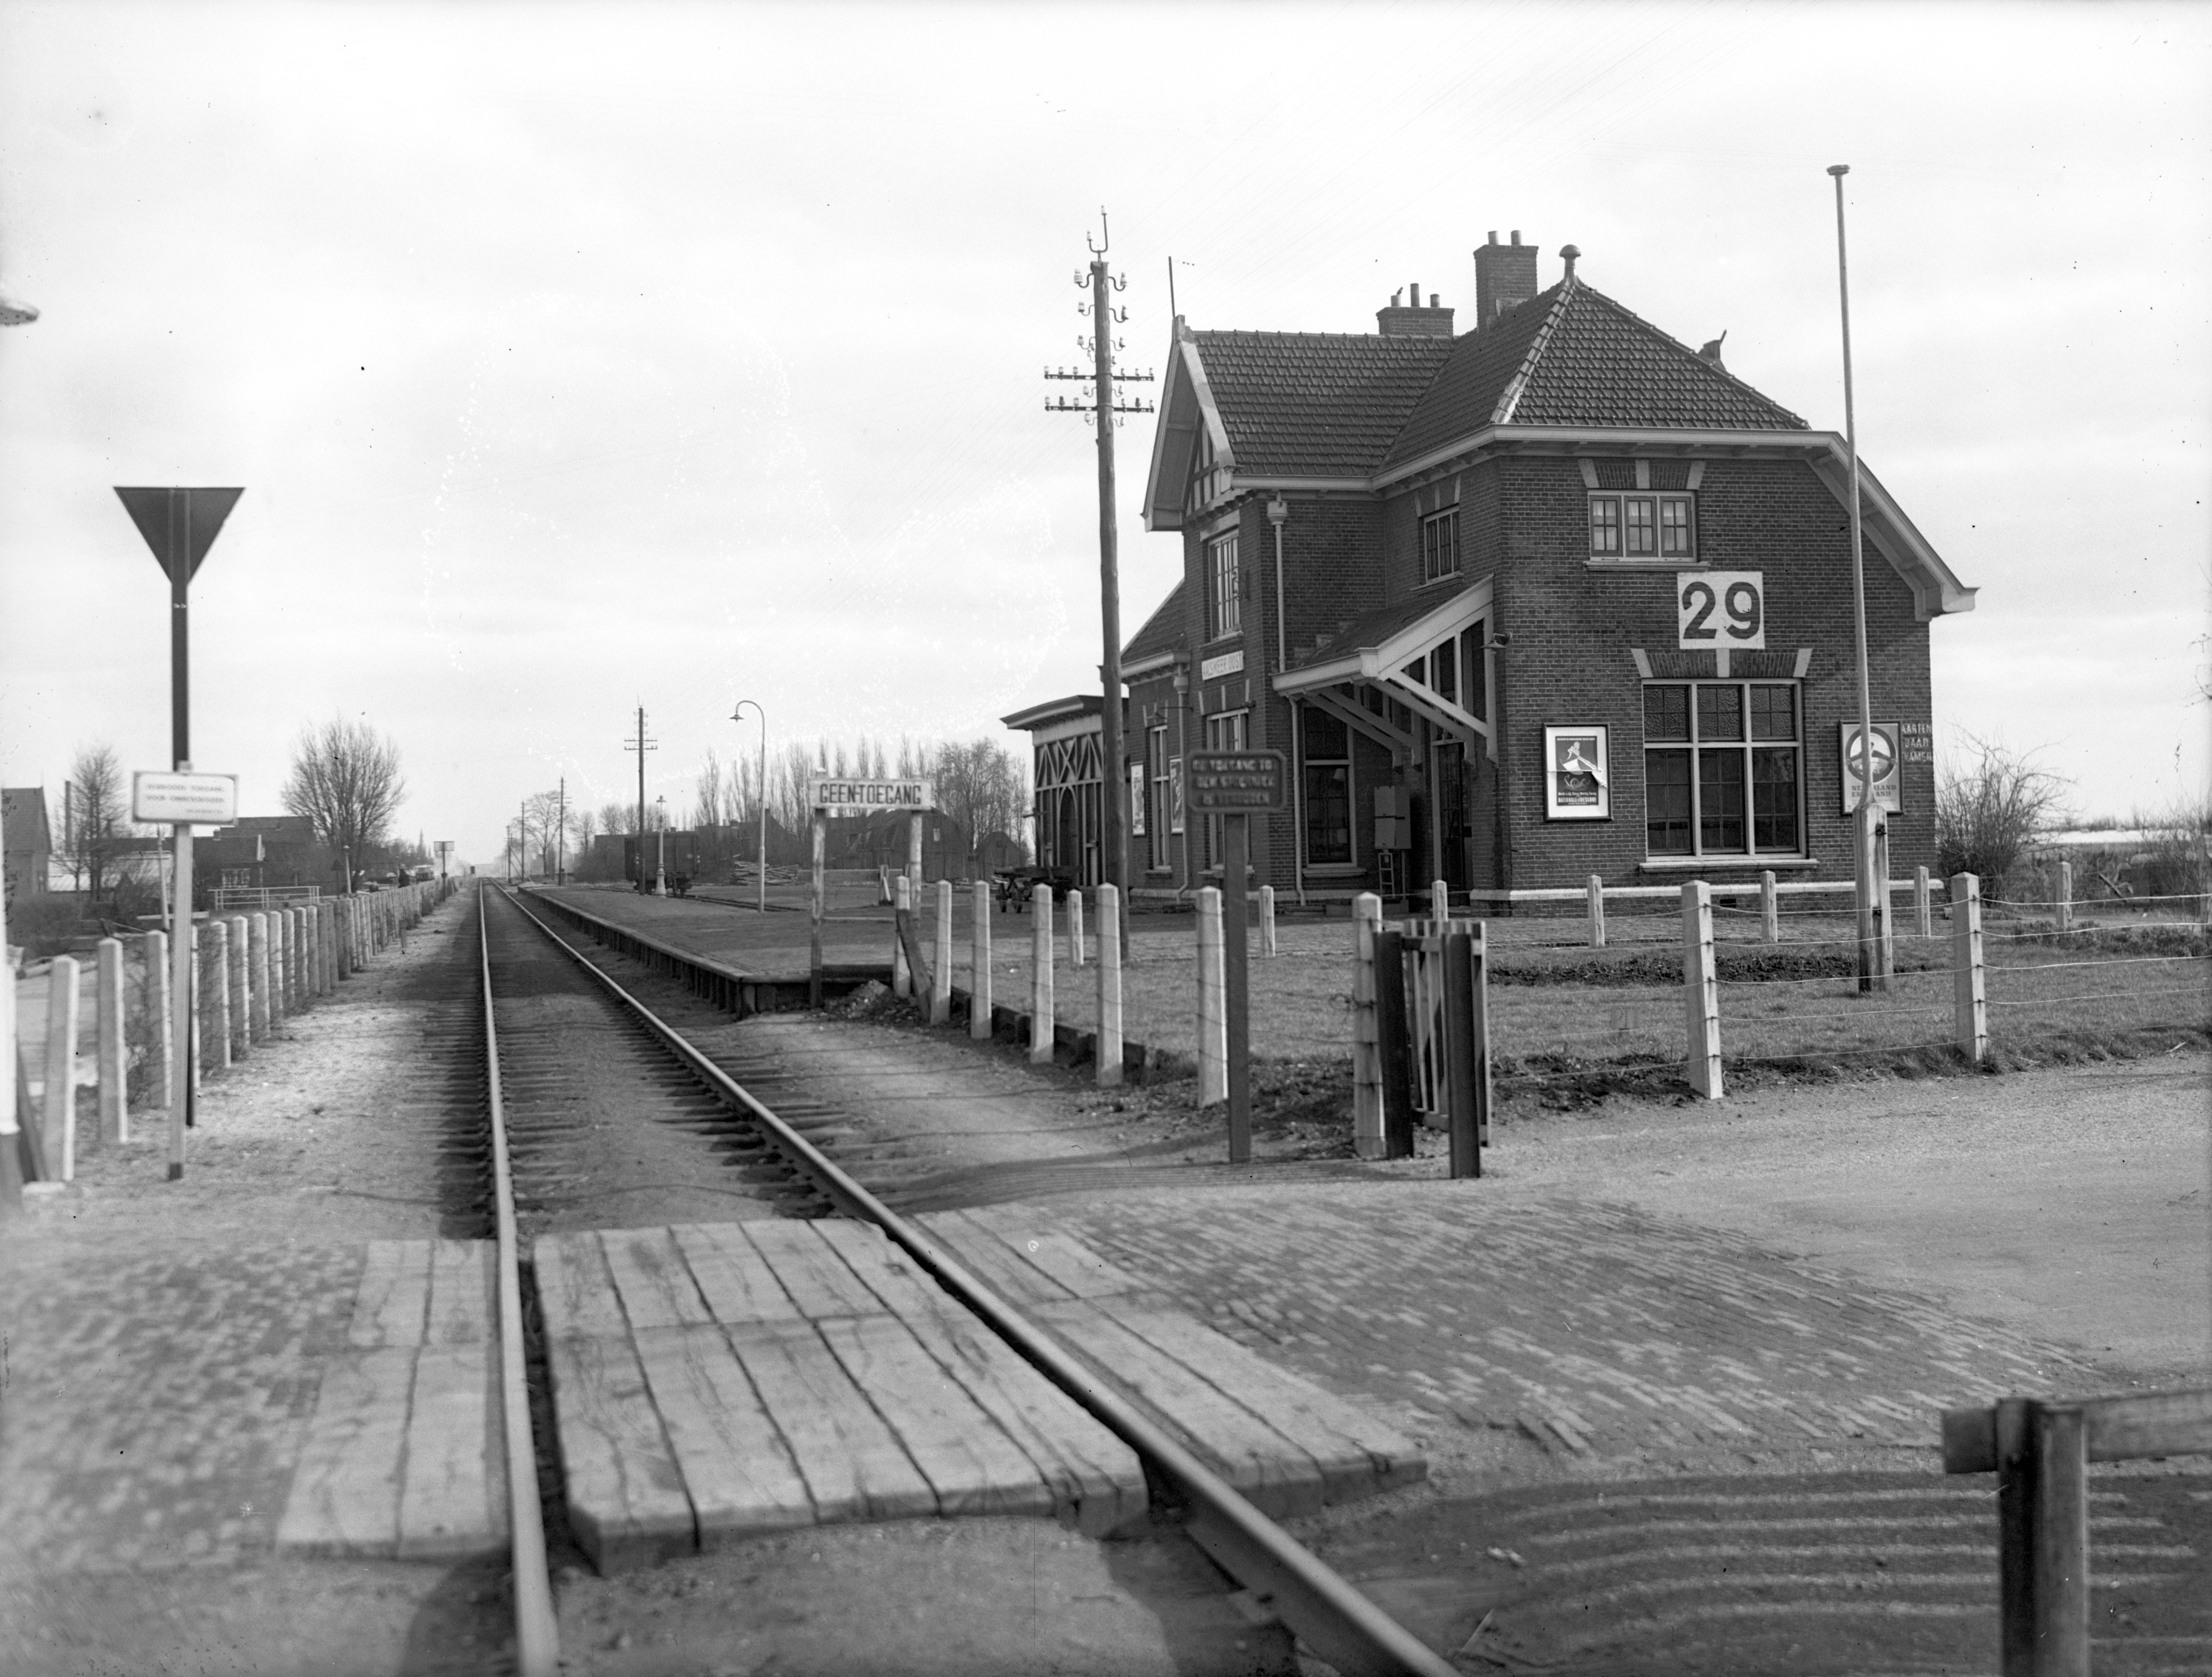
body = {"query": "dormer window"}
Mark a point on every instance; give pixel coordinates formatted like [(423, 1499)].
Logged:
[(1643, 527)]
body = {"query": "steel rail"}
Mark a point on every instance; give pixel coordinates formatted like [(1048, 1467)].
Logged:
[(1324, 1610), (537, 1630)]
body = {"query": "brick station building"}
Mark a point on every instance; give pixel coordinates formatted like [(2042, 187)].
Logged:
[(1554, 597)]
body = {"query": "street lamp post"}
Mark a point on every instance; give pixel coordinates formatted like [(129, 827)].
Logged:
[(761, 883), (660, 846)]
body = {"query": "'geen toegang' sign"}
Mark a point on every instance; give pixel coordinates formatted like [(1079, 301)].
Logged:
[(866, 797), (1716, 609), (1236, 782), (201, 800)]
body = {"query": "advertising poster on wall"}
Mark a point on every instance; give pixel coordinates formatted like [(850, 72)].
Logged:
[(1578, 780)]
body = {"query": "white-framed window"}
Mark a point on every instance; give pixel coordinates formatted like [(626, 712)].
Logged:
[(1440, 544), (1637, 524), (1224, 612), (1227, 732), (1156, 767), (1723, 769), (1327, 742)]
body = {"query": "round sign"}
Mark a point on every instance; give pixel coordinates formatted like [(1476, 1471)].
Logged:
[(1885, 758)]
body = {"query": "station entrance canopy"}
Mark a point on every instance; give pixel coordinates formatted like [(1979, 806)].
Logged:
[(1432, 660)]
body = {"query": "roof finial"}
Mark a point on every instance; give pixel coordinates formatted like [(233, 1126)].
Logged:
[(1568, 253)]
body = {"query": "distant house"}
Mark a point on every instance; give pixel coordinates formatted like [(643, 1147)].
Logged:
[(261, 854), (26, 838)]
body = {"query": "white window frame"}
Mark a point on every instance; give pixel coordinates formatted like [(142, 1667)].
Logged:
[(1224, 601), (1440, 542), (1350, 760), (1694, 747), (1619, 500)]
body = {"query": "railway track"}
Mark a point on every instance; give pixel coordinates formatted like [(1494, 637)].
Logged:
[(593, 1097)]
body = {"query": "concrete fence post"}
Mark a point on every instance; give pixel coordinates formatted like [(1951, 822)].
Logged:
[(1701, 989), (12, 1120), (58, 1108), (1267, 920), (216, 987), (2064, 906), (940, 980), (1970, 997), (256, 976), (154, 1021), (1367, 1131), (295, 957), (280, 962), (1595, 909), (194, 1005), (1075, 928), (979, 977), (1212, 1002), (1042, 1023), (328, 912), (311, 926), (1440, 899), (238, 946), (901, 914), (1924, 912), (1770, 907), (113, 1062), (1110, 987)]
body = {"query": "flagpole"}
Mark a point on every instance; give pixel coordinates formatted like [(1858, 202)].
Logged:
[(1862, 818)]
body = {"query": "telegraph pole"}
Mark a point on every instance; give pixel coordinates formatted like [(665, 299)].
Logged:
[(1113, 773), (641, 745), (561, 836)]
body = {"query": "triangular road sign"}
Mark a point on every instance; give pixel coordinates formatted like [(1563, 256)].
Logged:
[(180, 524)]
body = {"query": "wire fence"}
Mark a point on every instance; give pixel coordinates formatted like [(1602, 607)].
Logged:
[(1557, 1005)]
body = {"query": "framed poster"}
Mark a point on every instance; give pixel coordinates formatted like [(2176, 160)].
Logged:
[(1136, 800), (1577, 777), (1887, 791), (1174, 795)]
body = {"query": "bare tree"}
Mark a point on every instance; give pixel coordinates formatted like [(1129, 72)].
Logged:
[(345, 778), (95, 814), (617, 817), (979, 784), (1988, 810)]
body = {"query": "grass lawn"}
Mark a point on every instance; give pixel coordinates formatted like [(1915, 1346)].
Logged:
[(1559, 1008)]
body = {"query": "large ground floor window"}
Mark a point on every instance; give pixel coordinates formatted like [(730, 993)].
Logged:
[(1326, 788), (1723, 768)]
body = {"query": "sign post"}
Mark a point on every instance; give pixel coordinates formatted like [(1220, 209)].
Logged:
[(825, 797), (1235, 785), (182, 800), (181, 526)]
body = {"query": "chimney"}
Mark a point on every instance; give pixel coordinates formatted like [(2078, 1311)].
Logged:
[(1504, 275), (1414, 321)]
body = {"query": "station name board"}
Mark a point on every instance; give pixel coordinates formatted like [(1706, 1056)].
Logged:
[(1236, 782), (866, 797)]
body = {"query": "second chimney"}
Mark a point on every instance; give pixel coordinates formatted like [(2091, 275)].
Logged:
[(1505, 275), (1434, 320)]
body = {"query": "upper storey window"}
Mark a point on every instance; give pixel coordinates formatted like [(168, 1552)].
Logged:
[(1643, 527), (1440, 545), (1224, 588)]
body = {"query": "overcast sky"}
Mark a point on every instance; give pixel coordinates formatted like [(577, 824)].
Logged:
[(575, 359)]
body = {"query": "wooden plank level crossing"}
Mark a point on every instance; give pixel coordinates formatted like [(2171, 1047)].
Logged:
[(405, 1453), (712, 1382)]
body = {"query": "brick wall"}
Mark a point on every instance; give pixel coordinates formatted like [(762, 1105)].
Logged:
[(1570, 662)]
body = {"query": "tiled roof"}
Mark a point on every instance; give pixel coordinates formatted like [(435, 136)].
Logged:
[(1163, 631), (1372, 629), (1574, 356), (1315, 404)]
